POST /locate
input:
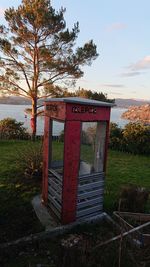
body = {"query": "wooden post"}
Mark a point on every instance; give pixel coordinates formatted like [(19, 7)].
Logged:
[(46, 157), (106, 144), (100, 146), (71, 171)]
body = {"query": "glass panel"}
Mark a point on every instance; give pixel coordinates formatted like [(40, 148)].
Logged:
[(57, 146), (93, 137)]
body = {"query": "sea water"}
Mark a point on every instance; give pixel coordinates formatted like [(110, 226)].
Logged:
[(18, 112)]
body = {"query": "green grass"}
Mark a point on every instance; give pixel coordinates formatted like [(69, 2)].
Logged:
[(17, 217), (123, 169)]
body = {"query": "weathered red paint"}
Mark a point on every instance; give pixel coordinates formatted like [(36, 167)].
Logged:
[(46, 158), (71, 169), (100, 114), (56, 110), (66, 111)]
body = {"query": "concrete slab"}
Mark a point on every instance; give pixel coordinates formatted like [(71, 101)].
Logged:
[(43, 215), (53, 226)]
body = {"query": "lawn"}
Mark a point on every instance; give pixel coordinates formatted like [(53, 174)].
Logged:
[(123, 169), (16, 191), (17, 217)]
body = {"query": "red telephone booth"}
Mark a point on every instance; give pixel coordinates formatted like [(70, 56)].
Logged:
[(75, 149)]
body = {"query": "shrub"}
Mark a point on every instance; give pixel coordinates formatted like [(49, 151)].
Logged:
[(134, 138), (30, 160), (133, 198), (115, 136), (11, 129)]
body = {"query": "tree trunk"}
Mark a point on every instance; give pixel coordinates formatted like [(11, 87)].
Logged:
[(34, 119)]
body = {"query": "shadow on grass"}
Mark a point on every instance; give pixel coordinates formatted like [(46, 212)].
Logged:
[(17, 217)]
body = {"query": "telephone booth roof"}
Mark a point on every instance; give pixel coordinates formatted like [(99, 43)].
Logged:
[(76, 108), (81, 101)]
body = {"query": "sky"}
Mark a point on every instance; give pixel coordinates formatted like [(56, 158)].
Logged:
[(121, 31)]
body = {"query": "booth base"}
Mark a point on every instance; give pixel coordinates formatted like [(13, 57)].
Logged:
[(43, 215), (50, 223)]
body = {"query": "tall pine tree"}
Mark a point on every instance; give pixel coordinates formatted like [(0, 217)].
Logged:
[(37, 51)]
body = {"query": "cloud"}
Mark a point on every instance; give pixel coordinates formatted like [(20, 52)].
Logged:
[(115, 93), (116, 27), (113, 85), (141, 64), (131, 74), (135, 69)]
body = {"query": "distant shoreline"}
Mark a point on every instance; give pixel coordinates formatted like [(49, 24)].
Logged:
[(120, 102), (18, 112), (138, 114), (18, 104)]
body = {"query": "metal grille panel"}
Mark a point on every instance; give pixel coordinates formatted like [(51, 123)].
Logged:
[(55, 192), (90, 195)]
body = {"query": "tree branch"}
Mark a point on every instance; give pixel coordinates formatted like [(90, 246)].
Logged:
[(50, 79), (14, 93), (21, 67), (20, 88), (44, 96)]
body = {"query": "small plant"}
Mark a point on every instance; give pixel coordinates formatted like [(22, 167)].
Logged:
[(30, 160), (11, 129), (133, 198)]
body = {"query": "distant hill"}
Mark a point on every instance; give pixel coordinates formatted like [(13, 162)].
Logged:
[(120, 102), (138, 113), (14, 100), (125, 103)]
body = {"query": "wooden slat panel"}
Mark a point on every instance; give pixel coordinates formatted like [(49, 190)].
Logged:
[(99, 175), (91, 180), (83, 195), (55, 181), (93, 201), (52, 192), (90, 195), (54, 202), (90, 210), (57, 213), (58, 176), (50, 176), (91, 185), (55, 186)]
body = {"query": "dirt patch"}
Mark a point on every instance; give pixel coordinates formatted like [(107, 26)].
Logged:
[(76, 248)]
